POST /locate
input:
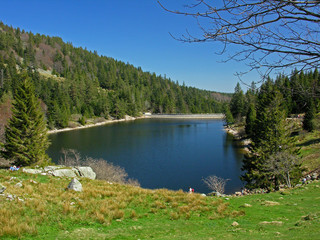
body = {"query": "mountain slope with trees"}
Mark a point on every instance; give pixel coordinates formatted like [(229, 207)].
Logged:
[(73, 81), (276, 117)]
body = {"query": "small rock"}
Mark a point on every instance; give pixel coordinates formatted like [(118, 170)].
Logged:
[(235, 224), (270, 203), (314, 176), (75, 185), (18, 185), (12, 178), (2, 188), (273, 222), (203, 195), (33, 181), (238, 193), (10, 197), (247, 205)]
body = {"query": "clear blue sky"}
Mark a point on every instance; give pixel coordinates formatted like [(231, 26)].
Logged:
[(134, 31)]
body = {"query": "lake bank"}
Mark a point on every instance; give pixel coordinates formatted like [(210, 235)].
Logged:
[(187, 116), (237, 134), (129, 118)]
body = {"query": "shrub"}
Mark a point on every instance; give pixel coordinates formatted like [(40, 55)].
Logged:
[(103, 169), (215, 183)]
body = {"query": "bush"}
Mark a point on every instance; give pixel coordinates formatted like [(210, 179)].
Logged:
[(215, 183), (104, 170)]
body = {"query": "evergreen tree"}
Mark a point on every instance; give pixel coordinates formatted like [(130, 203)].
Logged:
[(271, 136), (250, 121), (308, 120), (26, 134), (228, 115), (237, 104)]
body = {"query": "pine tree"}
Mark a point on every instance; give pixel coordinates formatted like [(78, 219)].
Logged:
[(250, 120), (271, 137), (308, 120), (26, 133), (228, 115), (237, 104)]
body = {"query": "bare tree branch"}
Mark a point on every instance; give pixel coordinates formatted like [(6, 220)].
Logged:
[(271, 35)]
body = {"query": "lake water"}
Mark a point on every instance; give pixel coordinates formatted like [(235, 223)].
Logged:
[(174, 154)]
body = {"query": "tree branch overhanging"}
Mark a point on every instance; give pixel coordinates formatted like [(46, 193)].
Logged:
[(272, 35)]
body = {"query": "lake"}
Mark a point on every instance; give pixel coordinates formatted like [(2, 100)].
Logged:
[(160, 153)]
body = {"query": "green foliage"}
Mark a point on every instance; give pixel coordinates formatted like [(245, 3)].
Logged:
[(237, 104), (250, 121), (82, 121), (309, 118), (228, 115), (26, 133), (270, 137)]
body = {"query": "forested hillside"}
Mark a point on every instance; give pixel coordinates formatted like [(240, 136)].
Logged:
[(72, 81), (276, 118)]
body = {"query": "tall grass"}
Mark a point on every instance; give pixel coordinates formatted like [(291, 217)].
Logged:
[(45, 199)]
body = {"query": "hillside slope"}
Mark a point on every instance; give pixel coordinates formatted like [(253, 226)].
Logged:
[(73, 82)]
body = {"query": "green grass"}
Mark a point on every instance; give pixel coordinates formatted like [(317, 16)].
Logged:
[(112, 211), (309, 144)]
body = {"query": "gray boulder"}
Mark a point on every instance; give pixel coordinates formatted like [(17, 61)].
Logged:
[(32, 171), (86, 172), (2, 188), (52, 168), (64, 173), (75, 185)]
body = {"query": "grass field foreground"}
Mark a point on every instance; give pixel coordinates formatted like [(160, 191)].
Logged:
[(42, 208)]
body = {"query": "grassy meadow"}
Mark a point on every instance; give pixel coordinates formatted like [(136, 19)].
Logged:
[(43, 209)]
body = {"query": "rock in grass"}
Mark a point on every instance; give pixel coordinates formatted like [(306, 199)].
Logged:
[(235, 224), (270, 203), (32, 171), (75, 185), (86, 172), (18, 185), (271, 223), (2, 188), (64, 173)]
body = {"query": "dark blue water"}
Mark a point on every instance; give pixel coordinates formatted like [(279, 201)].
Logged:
[(173, 154)]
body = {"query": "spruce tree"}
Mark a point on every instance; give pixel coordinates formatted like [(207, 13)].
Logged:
[(26, 139), (250, 121), (237, 103), (308, 120), (270, 137), (228, 115)]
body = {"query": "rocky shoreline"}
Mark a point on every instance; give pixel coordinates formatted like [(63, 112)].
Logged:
[(238, 137)]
